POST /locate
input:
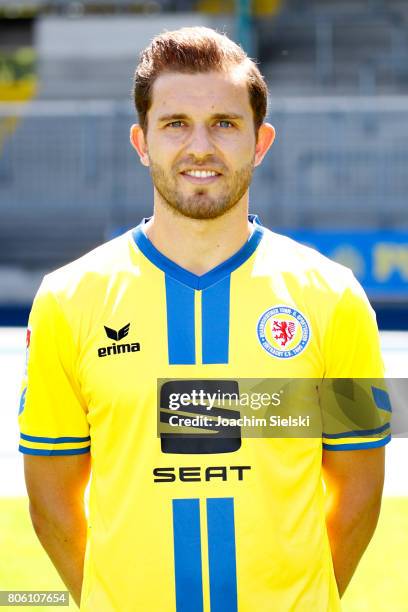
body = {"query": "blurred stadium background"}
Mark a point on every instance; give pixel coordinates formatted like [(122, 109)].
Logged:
[(336, 178)]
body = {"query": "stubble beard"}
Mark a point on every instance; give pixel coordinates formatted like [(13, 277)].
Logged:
[(200, 205)]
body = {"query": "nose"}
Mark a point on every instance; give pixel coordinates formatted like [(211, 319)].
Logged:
[(200, 143)]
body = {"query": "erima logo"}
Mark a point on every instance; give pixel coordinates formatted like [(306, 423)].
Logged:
[(117, 335), (116, 349)]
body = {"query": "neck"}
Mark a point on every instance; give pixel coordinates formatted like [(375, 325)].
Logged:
[(199, 245)]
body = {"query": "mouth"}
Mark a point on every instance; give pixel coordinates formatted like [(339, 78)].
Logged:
[(201, 177)]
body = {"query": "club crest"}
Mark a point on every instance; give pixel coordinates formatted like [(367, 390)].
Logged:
[(283, 331)]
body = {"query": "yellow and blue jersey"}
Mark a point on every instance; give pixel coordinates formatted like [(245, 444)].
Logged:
[(196, 527)]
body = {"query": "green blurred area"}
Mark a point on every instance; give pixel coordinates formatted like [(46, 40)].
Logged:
[(258, 7), (18, 78), (379, 585), (24, 565), (380, 582), (17, 65)]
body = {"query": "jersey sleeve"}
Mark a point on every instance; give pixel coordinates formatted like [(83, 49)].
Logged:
[(52, 414), (352, 351)]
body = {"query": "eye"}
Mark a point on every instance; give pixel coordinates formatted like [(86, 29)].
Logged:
[(224, 123), (175, 124)]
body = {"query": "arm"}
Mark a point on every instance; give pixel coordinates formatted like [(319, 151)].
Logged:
[(56, 487), (354, 482)]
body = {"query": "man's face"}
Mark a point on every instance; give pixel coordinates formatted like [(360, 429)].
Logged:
[(201, 141)]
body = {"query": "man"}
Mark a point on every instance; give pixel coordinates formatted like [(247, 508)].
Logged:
[(195, 292)]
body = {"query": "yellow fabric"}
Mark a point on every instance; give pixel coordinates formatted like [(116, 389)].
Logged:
[(283, 559)]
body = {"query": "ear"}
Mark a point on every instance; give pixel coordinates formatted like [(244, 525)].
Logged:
[(138, 141), (266, 136)]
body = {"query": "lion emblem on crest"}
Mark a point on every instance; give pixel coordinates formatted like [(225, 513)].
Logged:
[(283, 331)]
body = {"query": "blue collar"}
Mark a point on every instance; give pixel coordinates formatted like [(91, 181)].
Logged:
[(188, 278)]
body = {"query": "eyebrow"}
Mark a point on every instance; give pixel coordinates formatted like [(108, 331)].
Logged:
[(182, 116)]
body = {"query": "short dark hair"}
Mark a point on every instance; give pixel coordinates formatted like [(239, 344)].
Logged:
[(192, 50)]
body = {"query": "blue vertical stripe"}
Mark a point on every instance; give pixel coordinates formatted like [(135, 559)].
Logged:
[(215, 306), (221, 554), (180, 322), (187, 555)]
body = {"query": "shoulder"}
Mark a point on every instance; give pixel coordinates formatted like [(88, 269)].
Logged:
[(79, 292), (305, 267), (91, 271), (326, 291)]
